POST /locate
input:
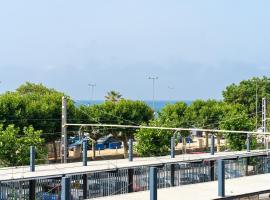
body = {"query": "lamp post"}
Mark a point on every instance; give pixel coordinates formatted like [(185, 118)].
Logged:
[(92, 86), (171, 94), (153, 78)]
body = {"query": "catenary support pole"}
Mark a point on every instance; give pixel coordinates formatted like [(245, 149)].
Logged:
[(153, 183), (212, 144), (172, 147), (65, 188), (130, 150), (221, 178), (64, 131), (264, 121)]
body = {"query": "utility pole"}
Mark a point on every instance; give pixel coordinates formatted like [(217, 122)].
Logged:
[(264, 120), (171, 88), (256, 105), (92, 91), (153, 79), (64, 131)]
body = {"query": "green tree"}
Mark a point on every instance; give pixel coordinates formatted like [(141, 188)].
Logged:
[(153, 142), (113, 96), (244, 93), (236, 118), (15, 145), (206, 115), (37, 105), (123, 112), (173, 115)]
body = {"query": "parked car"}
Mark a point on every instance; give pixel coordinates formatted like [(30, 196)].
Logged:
[(188, 139), (109, 139)]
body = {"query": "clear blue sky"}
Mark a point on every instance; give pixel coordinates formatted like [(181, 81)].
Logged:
[(195, 46)]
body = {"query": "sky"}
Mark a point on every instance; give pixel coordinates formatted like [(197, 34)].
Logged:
[(195, 48)]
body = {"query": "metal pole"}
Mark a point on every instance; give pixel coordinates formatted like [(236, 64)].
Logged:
[(221, 178), (64, 131), (172, 147), (153, 79), (256, 105), (212, 144), (85, 186), (130, 150), (85, 177), (84, 153), (130, 180), (92, 91), (65, 188), (153, 183), (264, 120), (212, 170), (172, 174), (248, 143), (32, 183), (32, 158)]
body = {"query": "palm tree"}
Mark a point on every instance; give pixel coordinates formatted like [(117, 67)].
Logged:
[(113, 96)]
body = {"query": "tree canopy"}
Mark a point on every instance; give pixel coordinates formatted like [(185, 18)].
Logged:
[(15, 145), (125, 112), (244, 93), (36, 105)]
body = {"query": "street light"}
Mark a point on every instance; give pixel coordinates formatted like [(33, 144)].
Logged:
[(153, 78), (92, 90), (171, 88)]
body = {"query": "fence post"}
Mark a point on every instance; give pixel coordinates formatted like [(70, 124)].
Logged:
[(32, 158), (153, 183), (172, 147), (85, 186), (84, 153), (212, 170), (247, 164), (130, 150), (248, 143), (84, 176), (212, 144), (32, 183), (221, 178), (130, 180), (65, 188), (172, 175)]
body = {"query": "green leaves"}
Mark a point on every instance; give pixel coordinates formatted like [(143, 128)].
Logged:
[(153, 142), (36, 105), (15, 145)]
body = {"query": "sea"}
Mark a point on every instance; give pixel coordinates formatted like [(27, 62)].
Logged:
[(159, 104)]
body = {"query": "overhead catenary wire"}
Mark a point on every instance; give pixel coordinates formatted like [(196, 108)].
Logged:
[(169, 128)]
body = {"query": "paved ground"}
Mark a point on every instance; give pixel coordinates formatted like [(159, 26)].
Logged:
[(113, 152), (204, 191), (44, 171)]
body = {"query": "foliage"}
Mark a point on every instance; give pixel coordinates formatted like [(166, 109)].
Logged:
[(15, 145), (113, 96), (153, 142), (205, 114), (36, 105), (125, 112), (244, 93), (173, 115), (236, 118)]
